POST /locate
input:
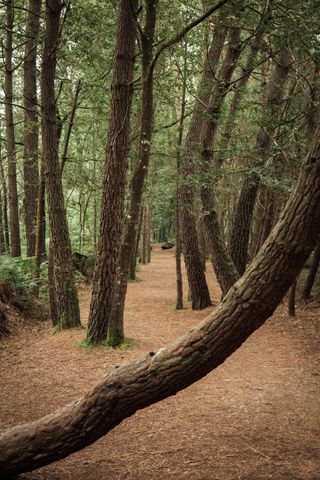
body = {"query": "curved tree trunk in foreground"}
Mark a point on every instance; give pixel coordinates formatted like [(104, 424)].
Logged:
[(137, 384)]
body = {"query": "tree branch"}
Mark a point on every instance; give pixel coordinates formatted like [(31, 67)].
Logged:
[(183, 32)]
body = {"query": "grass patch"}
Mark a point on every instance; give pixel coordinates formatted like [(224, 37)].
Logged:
[(127, 344), (84, 345), (136, 280)]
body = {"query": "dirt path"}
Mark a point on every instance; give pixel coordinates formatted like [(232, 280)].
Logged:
[(256, 417)]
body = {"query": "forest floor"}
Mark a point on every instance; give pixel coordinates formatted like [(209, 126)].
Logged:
[(255, 417)]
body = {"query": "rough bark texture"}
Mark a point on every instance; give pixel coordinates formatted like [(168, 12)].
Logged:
[(196, 278), (245, 206), (223, 266), (40, 253), (2, 238), (10, 134), (52, 288), (139, 174), (265, 218), (292, 299), (179, 302), (137, 384), (145, 244), (67, 296), (3, 248), (5, 206), (31, 127), (112, 206)]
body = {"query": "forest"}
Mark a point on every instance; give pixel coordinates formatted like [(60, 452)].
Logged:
[(159, 202)]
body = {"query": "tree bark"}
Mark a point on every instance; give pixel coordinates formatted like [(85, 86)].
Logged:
[(306, 294), (67, 296), (2, 237), (135, 256), (116, 163), (138, 384), (138, 178), (10, 134), (196, 277), (3, 246), (245, 206), (292, 299), (145, 244), (31, 127), (223, 266), (52, 287), (70, 125), (266, 218), (40, 253), (179, 281), (5, 206)]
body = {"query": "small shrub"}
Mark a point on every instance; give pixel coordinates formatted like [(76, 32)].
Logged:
[(18, 275)]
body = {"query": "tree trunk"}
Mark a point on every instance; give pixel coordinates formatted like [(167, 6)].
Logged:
[(116, 163), (223, 266), (67, 296), (196, 277), (52, 286), (2, 237), (265, 219), (292, 299), (5, 206), (10, 134), (179, 301), (70, 125), (145, 236), (31, 127), (40, 253), (135, 256), (138, 178), (245, 206), (138, 384), (306, 294), (3, 246)]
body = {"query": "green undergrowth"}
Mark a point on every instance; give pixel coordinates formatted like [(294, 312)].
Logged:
[(136, 280)]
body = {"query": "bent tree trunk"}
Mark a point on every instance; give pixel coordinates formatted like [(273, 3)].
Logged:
[(67, 296), (135, 385)]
